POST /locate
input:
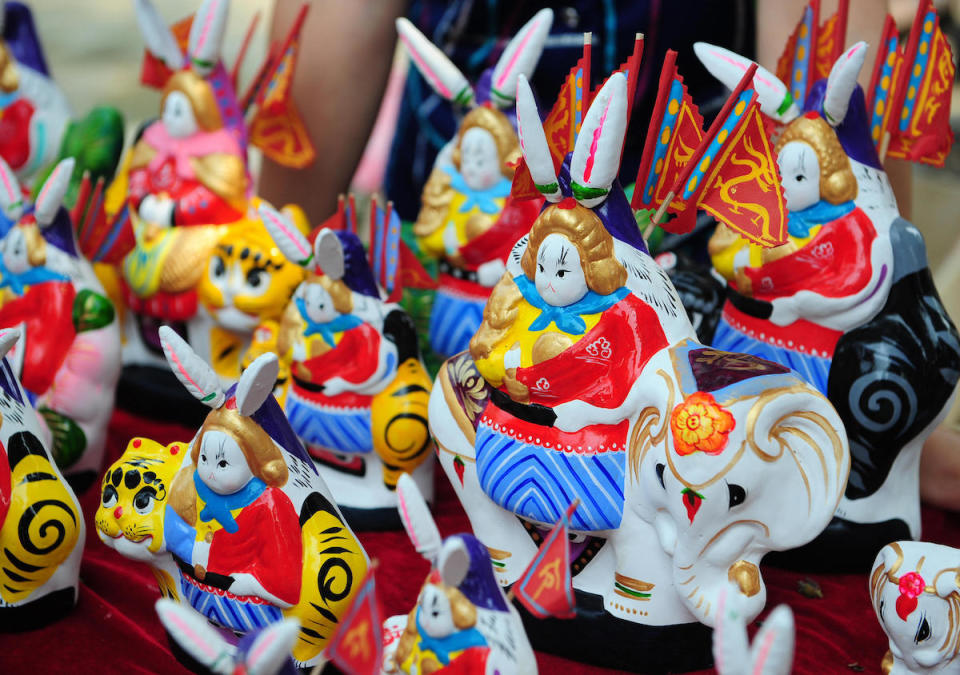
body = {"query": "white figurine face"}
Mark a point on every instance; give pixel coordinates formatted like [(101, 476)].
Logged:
[(436, 616), (916, 641), (178, 115), (15, 251), (800, 175), (479, 159), (317, 302), (221, 464), (559, 278)]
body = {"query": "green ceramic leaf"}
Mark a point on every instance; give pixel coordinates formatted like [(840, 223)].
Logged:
[(91, 311), (69, 441)]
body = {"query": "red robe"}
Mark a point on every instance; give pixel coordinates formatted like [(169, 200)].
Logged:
[(15, 132), (354, 358), (267, 545), (196, 204)]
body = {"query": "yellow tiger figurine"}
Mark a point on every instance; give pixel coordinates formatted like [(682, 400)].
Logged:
[(244, 552)]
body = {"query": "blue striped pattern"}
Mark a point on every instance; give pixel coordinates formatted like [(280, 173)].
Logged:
[(813, 369), (540, 483), (228, 612), (453, 322), (331, 429)]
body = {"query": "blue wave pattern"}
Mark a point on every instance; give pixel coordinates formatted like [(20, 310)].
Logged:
[(229, 612), (453, 322), (813, 369), (540, 483), (339, 431)]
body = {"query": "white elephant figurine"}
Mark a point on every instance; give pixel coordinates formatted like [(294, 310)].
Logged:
[(848, 302), (915, 590), (68, 356), (586, 381)]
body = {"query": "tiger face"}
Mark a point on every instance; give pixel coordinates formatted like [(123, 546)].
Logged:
[(248, 279), (133, 495)]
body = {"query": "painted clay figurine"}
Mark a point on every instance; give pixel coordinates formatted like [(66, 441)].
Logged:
[(462, 618), (236, 523), (848, 302), (36, 128), (358, 391), (468, 220), (771, 652), (68, 357), (586, 381), (263, 652), (915, 590), (41, 525)]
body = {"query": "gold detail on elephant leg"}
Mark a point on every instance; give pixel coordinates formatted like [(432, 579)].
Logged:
[(642, 438), (886, 665), (746, 576), (497, 554), (633, 589)]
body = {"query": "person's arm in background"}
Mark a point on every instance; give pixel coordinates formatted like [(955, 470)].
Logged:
[(775, 21), (346, 50)]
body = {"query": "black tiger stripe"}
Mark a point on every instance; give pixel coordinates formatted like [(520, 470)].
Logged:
[(21, 445), (408, 416), (334, 538), (14, 576), (335, 550), (312, 633), (19, 564), (410, 389), (38, 476), (23, 527), (325, 613)]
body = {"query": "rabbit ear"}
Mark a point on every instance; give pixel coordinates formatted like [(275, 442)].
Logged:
[(728, 67), (445, 78), (157, 35), (192, 632), (11, 196), (256, 383), (454, 561), (51, 194), (596, 154), (520, 57), (8, 338), (841, 83), (533, 142), (772, 652), (193, 372), (328, 254), (206, 35), (731, 649), (416, 518), (286, 236), (271, 648)]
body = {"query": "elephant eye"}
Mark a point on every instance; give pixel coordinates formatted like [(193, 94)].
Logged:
[(737, 494), (660, 468), (923, 631)]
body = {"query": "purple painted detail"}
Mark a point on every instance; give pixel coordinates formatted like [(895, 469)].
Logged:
[(481, 91), (60, 232), (883, 275), (480, 586), (226, 97), (21, 36), (854, 131), (713, 369), (469, 387), (356, 270)]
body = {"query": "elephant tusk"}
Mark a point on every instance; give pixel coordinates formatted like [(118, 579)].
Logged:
[(746, 576)]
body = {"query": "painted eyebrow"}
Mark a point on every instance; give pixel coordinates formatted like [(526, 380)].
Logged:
[(801, 160), (541, 255), (563, 255)]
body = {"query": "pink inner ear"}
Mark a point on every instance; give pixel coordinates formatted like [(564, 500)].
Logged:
[(595, 142), (198, 642), (516, 55), (406, 517), (46, 186), (425, 69), (261, 647), (282, 226), (764, 652), (8, 186), (205, 32), (182, 369)]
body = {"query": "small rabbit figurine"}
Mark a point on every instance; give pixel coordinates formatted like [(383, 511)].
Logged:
[(468, 221), (261, 652), (462, 616), (772, 650)]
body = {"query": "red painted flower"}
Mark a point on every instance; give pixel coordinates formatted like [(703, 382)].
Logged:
[(911, 586), (700, 424)]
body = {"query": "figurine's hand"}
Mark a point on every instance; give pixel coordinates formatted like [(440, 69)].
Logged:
[(336, 385), (247, 584), (451, 242), (744, 285), (571, 416), (489, 273), (516, 389), (511, 360), (157, 210), (201, 553)]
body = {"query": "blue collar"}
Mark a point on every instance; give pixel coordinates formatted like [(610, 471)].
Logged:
[(34, 275), (799, 223), (479, 199), (455, 642), (218, 507), (567, 318), (326, 330)]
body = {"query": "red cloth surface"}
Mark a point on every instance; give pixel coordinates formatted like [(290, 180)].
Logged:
[(114, 629)]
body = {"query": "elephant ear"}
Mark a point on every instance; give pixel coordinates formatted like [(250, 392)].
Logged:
[(256, 383), (194, 373), (729, 67), (596, 154), (416, 518), (11, 195), (206, 35), (731, 648), (51, 194), (520, 58), (286, 236), (842, 82), (271, 648), (157, 35), (533, 143), (772, 651), (437, 69), (198, 638)]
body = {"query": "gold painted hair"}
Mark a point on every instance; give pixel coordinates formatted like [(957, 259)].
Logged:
[(9, 78), (200, 94), (837, 182), (263, 456), (494, 121), (338, 290), (603, 272)]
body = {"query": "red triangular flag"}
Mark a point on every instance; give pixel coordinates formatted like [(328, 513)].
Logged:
[(357, 646), (546, 587), (154, 72)]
